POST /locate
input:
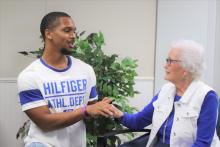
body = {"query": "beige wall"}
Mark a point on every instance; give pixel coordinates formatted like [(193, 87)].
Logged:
[(19, 30), (128, 27), (11, 116)]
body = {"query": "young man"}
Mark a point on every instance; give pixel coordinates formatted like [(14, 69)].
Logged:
[(54, 90)]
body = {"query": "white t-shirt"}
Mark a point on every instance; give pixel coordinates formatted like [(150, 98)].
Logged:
[(62, 90)]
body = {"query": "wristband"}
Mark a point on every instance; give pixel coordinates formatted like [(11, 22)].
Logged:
[(84, 112)]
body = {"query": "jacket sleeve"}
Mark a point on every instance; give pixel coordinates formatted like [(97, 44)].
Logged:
[(140, 119), (207, 121)]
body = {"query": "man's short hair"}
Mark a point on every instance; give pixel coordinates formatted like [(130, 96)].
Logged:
[(51, 20)]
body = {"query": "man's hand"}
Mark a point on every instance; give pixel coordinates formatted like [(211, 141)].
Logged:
[(103, 108)]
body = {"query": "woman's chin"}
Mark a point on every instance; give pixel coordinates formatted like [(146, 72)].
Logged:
[(165, 78)]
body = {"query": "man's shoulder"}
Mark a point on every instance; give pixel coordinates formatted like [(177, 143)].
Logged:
[(30, 69), (79, 62), (27, 78)]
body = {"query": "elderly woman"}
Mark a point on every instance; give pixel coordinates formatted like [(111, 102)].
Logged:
[(184, 112)]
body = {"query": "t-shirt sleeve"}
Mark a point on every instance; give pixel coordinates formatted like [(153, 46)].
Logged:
[(29, 93), (93, 90)]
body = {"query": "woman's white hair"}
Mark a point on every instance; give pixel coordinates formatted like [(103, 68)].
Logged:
[(192, 56)]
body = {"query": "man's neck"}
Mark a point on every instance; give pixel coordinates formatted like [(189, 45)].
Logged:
[(54, 58)]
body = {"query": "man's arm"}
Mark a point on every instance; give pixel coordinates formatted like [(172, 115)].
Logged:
[(48, 121)]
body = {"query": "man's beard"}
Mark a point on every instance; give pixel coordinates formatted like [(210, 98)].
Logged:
[(65, 51)]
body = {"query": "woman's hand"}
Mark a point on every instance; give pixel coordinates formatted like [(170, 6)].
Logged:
[(117, 113), (103, 108)]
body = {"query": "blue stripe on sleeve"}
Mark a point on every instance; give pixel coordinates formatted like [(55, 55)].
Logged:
[(93, 92), (30, 96)]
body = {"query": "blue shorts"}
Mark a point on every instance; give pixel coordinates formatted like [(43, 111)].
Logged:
[(36, 144)]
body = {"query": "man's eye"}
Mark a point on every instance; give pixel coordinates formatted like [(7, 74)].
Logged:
[(66, 30)]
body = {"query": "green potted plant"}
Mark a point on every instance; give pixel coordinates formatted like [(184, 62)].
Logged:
[(114, 79)]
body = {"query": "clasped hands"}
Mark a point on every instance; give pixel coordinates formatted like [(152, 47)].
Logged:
[(104, 108)]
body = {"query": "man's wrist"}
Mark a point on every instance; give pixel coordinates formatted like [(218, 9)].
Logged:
[(84, 111)]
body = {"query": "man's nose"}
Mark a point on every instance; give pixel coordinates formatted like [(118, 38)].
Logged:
[(73, 35)]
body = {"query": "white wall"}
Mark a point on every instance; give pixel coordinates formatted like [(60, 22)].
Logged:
[(145, 87), (217, 51), (189, 19)]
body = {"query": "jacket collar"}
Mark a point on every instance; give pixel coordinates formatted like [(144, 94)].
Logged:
[(190, 91)]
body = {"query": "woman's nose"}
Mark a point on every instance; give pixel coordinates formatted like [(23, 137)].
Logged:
[(165, 65)]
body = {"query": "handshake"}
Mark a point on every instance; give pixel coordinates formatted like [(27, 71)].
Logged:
[(104, 108)]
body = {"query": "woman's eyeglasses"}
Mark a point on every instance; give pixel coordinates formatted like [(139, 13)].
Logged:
[(169, 61)]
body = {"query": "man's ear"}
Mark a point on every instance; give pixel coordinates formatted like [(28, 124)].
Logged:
[(48, 34)]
